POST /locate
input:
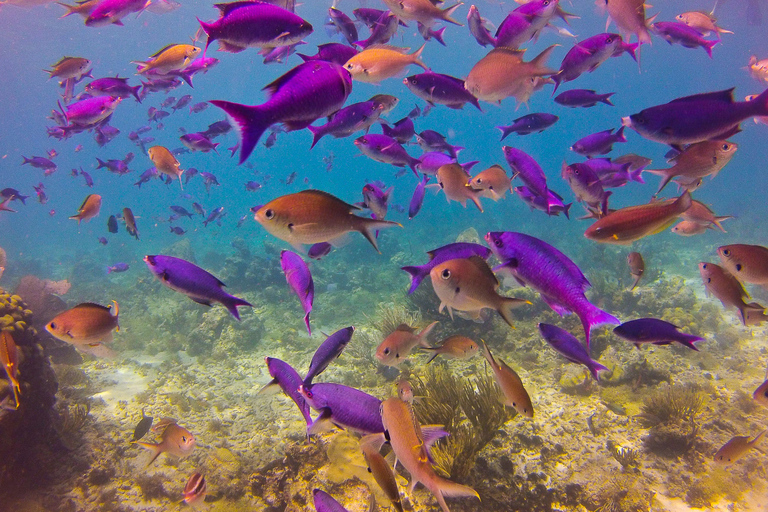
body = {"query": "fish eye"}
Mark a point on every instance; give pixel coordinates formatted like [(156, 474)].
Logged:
[(52, 325), (497, 242), (290, 226), (445, 274), (726, 147), (308, 393), (269, 214), (609, 39), (479, 180), (386, 351), (726, 252), (183, 439)]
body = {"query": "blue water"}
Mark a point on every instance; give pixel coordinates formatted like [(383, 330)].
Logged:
[(43, 238)]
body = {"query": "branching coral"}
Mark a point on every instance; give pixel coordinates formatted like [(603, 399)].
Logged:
[(469, 410), (627, 457), (389, 316), (670, 413)]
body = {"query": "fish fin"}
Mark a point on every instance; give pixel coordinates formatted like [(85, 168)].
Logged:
[(367, 227), (446, 13), (595, 317), (250, 122), (152, 447), (425, 332), (417, 276), (321, 424), (594, 368), (200, 300), (435, 353), (376, 441), (271, 387), (231, 302), (506, 307)]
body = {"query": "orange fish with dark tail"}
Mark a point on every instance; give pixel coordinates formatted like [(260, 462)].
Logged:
[(626, 225)]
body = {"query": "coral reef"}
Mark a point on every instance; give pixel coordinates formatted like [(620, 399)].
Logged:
[(670, 413)]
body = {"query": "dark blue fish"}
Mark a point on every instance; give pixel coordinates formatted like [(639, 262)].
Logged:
[(531, 123), (117, 267), (112, 224), (583, 98), (328, 350), (317, 251), (176, 230), (569, 347), (653, 330), (181, 211)]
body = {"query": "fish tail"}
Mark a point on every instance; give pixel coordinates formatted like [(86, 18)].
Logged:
[(207, 28), (718, 220), (709, 45), (557, 79), (417, 276), (367, 227), (135, 92), (683, 202), (620, 135), (251, 123), (306, 322), (101, 163), (305, 58), (594, 368), (752, 306), (231, 302), (26, 160), (666, 177), (506, 307), (594, 318), (442, 487), (607, 99), (762, 103), (637, 176), (688, 340), (417, 57), (317, 134), (448, 11), (566, 209), (152, 447), (435, 353), (438, 35), (630, 48), (71, 9), (505, 131)]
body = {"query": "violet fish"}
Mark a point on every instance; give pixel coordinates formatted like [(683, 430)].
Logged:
[(299, 278), (324, 502), (527, 169), (348, 120), (307, 92), (418, 198), (552, 204), (318, 250), (442, 254), (328, 350), (194, 282), (531, 123), (289, 380), (331, 52), (402, 131), (598, 143), (653, 330), (342, 406), (558, 280), (569, 347), (583, 98), (587, 55), (436, 88)]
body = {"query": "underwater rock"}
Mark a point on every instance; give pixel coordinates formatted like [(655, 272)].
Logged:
[(35, 291), (26, 432), (469, 235)]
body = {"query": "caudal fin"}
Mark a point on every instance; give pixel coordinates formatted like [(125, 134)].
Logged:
[(417, 276), (445, 14), (154, 448), (596, 317), (506, 307), (231, 302), (442, 488), (368, 227), (250, 122), (595, 367), (761, 103)]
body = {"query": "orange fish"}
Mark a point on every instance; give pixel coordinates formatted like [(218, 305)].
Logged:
[(636, 267), (173, 57), (747, 263), (86, 326), (503, 73), (697, 161), (89, 209), (492, 182), (175, 440), (469, 285), (314, 216), (454, 181), (734, 449), (701, 214), (379, 62), (425, 12), (689, 228), (9, 358), (399, 344), (454, 347), (635, 222), (510, 383), (727, 289), (165, 162), (761, 394), (629, 17), (130, 222), (69, 67)]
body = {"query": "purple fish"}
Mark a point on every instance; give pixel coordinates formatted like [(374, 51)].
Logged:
[(478, 28), (336, 53), (42, 198), (343, 24), (328, 350), (436, 88), (428, 33), (527, 169), (324, 502), (525, 23), (117, 267), (598, 143), (91, 111), (653, 330), (418, 197), (194, 282), (319, 250), (430, 140), (104, 133), (343, 406), (199, 65), (442, 254), (569, 347), (530, 123), (289, 380), (382, 148), (254, 25), (176, 230), (113, 165), (583, 98), (696, 118), (299, 278), (307, 92), (382, 31), (402, 131), (587, 55), (14, 195), (586, 186), (198, 107), (218, 128), (40, 163), (113, 86), (252, 186), (558, 280), (348, 120), (552, 205), (369, 16), (199, 142), (280, 53), (183, 102), (112, 11), (614, 175), (376, 200), (431, 161), (103, 241), (680, 33)]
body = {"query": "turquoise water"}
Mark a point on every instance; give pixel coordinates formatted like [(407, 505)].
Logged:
[(166, 340)]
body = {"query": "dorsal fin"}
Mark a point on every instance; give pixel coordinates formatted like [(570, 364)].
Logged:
[(225, 9), (405, 328), (483, 267), (326, 195), (725, 95), (275, 86), (389, 47)]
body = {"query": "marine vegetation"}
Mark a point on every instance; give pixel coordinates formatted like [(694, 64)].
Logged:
[(627, 457), (470, 412), (670, 413)]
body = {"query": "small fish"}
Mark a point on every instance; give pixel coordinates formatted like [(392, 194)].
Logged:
[(478, 27), (527, 169), (194, 491), (324, 502), (436, 88), (728, 290), (569, 347), (551, 205), (703, 22), (423, 11), (194, 282), (469, 285), (441, 255), (629, 17), (681, 33), (383, 474), (736, 448), (103, 241), (587, 55), (398, 345), (327, 352), (142, 427), (583, 98), (503, 73), (165, 162), (289, 380), (314, 216), (87, 327), (653, 330), (614, 408), (343, 406), (174, 440), (761, 394), (9, 359), (454, 182), (747, 263), (510, 383), (700, 214), (176, 230), (379, 62), (454, 347), (173, 57), (531, 123), (109, 12), (598, 143), (117, 267), (636, 267), (402, 131), (632, 223), (331, 52), (89, 209), (69, 67), (299, 278), (319, 250), (130, 223), (417, 199), (698, 160), (112, 224), (493, 182)]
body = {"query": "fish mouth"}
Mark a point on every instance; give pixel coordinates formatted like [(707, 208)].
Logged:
[(626, 121)]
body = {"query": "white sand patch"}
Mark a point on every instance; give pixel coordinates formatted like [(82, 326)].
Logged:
[(121, 384)]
